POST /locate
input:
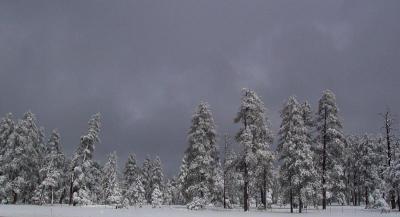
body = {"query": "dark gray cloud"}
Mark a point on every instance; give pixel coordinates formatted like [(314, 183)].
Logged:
[(145, 65)]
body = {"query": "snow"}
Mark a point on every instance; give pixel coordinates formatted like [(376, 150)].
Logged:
[(175, 211)]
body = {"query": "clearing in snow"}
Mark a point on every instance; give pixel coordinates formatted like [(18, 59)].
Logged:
[(175, 211)]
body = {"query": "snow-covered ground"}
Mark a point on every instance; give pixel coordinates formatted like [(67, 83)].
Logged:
[(172, 211)]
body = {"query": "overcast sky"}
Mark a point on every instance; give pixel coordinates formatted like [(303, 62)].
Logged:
[(145, 65)]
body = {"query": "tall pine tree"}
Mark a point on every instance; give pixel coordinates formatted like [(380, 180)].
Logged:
[(201, 159), (329, 147), (256, 137), (82, 182), (130, 174), (110, 183), (296, 170), (51, 187)]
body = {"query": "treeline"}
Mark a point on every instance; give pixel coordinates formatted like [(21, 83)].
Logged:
[(314, 164)]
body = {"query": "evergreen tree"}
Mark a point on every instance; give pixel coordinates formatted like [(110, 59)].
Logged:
[(256, 137), (296, 171), (96, 177), (51, 187), (309, 124), (82, 182), (6, 129), (138, 193), (22, 158), (156, 197), (147, 176), (157, 174), (329, 147), (181, 182), (7, 126), (130, 174), (232, 178), (369, 167), (168, 193), (110, 184), (393, 173), (200, 163)]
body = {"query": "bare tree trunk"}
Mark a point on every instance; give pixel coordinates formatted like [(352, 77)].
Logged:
[(62, 197), (261, 195), (225, 169), (15, 197), (52, 195), (393, 200), (71, 192), (264, 192), (388, 128), (246, 177), (291, 201), (246, 185), (324, 163), (398, 199), (354, 190), (224, 195), (300, 204), (366, 197)]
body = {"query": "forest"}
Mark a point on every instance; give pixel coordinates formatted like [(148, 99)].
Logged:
[(310, 162)]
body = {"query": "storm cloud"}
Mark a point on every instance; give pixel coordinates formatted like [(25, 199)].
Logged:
[(145, 65)]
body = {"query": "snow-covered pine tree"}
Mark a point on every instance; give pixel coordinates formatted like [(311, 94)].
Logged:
[(297, 169), (157, 174), (156, 197), (217, 188), (51, 188), (233, 179), (329, 147), (130, 174), (147, 175), (352, 170), (96, 177), (168, 192), (368, 165), (22, 157), (256, 137), (177, 194), (181, 182), (198, 171), (393, 173), (110, 184), (308, 120), (309, 124), (6, 129), (347, 169), (82, 180), (138, 192), (276, 187), (380, 163), (226, 172)]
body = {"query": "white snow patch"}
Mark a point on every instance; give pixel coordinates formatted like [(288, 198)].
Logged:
[(175, 211)]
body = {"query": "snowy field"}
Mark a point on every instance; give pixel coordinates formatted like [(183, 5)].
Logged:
[(172, 211)]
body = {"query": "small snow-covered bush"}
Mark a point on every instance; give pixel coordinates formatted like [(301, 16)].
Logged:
[(228, 203), (196, 203), (124, 204), (382, 205), (252, 203), (379, 202)]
